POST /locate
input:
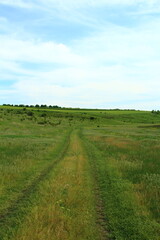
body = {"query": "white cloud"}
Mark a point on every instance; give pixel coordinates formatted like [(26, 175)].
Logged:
[(18, 3), (70, 87), (117, 44), (37, 51), (114, 64), (71, 4), (89, 95)]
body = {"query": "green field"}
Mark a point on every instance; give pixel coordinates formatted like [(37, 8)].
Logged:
[(79, 174)]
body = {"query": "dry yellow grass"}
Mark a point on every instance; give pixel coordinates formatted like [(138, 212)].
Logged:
[(115, 141)]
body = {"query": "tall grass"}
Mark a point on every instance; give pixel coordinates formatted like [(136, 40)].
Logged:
[(45, 198), (128, 175)]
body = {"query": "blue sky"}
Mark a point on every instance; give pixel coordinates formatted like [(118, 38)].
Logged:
[(83, 53)]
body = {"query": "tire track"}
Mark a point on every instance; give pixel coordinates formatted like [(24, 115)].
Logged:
[(66, 208), (18, 207), (99, 203), (101, 218)]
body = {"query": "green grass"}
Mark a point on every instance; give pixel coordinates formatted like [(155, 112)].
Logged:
[(113, 172), (63, 210), (128, 173)]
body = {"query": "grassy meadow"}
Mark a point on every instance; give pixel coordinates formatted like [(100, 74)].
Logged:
[(79, 174)]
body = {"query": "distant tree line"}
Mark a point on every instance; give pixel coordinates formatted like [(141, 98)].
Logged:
[(155, 111), (31, 106), (67, 108)]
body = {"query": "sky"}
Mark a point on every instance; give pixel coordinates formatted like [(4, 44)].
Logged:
[(80, 53)]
